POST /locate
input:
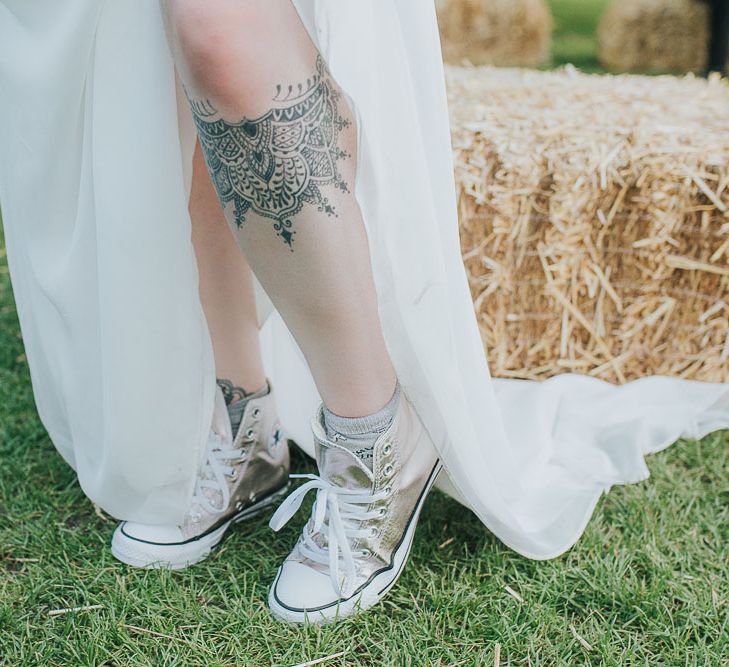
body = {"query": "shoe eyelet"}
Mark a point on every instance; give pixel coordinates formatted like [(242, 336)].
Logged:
[(256, 412), (234, 474), (365, 553), (387, 449), (250, 433), (382, 511), (239, 506), (374, 533), (195, 518), (388, 491), (388, 470)]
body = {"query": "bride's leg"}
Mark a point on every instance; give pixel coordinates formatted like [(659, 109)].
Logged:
[(226, 291), (247, 473), (280, 143)]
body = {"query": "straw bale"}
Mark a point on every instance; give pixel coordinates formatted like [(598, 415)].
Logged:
[(495, 32), (594, 219), (655, 36)]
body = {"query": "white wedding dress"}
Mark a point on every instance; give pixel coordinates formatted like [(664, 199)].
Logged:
[(95, 155)]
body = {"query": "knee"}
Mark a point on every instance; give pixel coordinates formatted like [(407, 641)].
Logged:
[(214, 40)]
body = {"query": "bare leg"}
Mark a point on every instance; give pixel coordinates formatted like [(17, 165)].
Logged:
[(226, 289), (280, 144)]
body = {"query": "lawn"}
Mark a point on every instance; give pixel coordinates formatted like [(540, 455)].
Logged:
[(575, 23), (648, 583)]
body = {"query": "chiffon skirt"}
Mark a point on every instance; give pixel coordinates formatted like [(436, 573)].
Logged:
[(95, 166)]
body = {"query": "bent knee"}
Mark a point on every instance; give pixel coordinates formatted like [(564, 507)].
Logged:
[(201, 24), (235, 53), (215, 38)]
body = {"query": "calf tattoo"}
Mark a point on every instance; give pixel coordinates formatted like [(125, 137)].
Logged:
[(274, 164)]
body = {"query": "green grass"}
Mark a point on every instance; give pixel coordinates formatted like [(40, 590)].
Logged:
[(574, 39), (646, 585)]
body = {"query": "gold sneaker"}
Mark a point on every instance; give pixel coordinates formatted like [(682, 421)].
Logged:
[(239, 478), (354, 546)]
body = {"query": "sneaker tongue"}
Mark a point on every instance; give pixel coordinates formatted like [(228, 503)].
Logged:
[(236, 409), (341, 467), (220, 427), (221, 421), (337, 464)]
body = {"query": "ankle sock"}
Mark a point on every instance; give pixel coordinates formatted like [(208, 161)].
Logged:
[(358, 434), (236, 399)]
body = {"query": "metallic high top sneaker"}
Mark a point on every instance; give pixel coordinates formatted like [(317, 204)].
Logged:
[(239, 478), (354, 546)]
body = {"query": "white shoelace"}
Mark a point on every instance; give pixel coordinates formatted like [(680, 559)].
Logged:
[(216, 471), (338, 514)]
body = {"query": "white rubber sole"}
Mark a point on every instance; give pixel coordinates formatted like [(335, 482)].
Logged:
[(150, 555), (370, 594)]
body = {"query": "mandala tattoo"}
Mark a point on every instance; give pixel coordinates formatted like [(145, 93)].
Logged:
[(274, 164)]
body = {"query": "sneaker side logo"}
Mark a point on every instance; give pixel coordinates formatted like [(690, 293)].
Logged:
[(276, 437)]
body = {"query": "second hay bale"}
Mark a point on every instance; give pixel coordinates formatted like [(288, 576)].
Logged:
[(495, 32), (654, 36)]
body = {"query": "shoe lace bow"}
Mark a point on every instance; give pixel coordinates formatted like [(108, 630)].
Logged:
[(338, 515)]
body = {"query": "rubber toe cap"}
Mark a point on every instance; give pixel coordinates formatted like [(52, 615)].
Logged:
[(141, 532), (300, 587)]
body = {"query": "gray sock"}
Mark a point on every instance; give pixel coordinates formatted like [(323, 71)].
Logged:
[(236, 399), (358, 434)]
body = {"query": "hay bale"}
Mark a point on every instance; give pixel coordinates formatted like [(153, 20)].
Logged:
[(655, 36), (594, 217), (495, 32)]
